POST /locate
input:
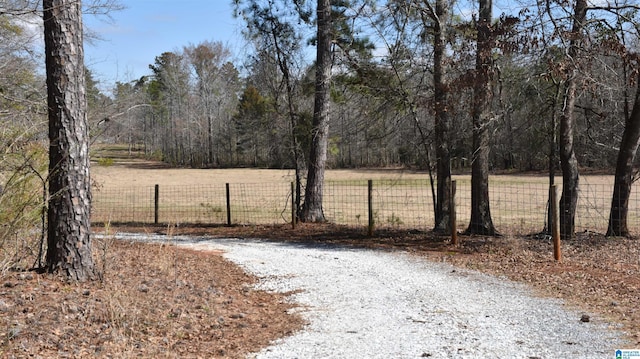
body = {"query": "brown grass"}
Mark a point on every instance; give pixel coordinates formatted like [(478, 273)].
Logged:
[(137, 172), (401, 199)]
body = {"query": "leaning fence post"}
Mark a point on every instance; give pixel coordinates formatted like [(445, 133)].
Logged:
[(156, 203), (293, 205), (370, 207), (555, 223), (454, 222), (228, 205)]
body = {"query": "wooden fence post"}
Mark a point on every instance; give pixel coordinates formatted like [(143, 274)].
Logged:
[(452, 216), (156, 204), (293, 205), (228, 205), (370, 207), (555, 223)]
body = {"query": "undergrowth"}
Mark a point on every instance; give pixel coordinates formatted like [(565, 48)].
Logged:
[(23, 169)]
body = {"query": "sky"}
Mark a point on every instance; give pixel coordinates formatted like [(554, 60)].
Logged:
[(131, 40)]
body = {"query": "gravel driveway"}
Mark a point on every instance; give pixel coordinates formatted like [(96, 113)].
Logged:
[(373, 304)]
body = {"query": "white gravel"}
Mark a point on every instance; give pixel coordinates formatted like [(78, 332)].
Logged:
[(373, 304)]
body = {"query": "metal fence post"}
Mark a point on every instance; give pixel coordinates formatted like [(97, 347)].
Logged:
[(370, 209), (555, 223), (228, 205), (156, 204), (293, 205), (452, 216)]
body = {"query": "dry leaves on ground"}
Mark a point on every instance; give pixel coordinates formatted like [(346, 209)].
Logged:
[(163, 301), (153, 301)]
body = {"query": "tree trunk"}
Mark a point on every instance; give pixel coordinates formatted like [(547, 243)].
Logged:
[(570, 177), (568, 161), (624, 172), (441, 105), (69, 242), (481, 222), (210, 144), (312, 207), (298, 158)]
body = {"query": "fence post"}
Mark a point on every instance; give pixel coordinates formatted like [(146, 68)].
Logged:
[(228, 205), (370, 207), (156, 203), (454, 222), (293, 205), (555, 222)]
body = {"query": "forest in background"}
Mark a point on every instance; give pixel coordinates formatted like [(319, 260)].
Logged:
[(435, 85), (197, 108)]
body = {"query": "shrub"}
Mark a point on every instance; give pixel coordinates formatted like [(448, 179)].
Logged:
[(22, 174), (105, 161)]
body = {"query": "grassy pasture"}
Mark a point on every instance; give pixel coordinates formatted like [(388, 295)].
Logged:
[(401, 199)]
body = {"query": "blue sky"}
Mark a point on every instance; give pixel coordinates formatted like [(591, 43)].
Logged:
[(147, 28)]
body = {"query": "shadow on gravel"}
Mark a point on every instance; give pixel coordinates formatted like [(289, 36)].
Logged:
[(307, 235)]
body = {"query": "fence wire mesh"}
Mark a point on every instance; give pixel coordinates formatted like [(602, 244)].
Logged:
[(517, 208)]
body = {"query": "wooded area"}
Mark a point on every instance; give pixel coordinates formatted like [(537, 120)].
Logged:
[(433, 85), (543, 87)]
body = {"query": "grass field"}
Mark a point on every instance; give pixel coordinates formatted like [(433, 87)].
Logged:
[(402, 199)]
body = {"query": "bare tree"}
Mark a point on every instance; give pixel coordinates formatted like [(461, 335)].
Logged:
[(69, 242), (169, 91), (207, 60)]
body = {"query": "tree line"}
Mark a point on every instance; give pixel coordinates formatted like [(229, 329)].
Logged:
[(433, 85)]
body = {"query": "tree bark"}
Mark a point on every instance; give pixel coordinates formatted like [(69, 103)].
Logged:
[(624, 172), (441, 106), (568, 161), (569, 165), (312, 207), (481, 222), (69, 242)]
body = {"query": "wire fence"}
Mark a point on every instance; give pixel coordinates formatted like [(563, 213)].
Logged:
[(517, 208)]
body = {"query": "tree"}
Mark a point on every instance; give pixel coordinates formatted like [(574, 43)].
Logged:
[(168, 91), (68, 240), (568, 161), (207, 60), (193, 94), (97, 106), (624, 172), (252, 123), (418, 34), (624, 175), (481, 222), (129, 119), (278, 44), (271, 24), (312, 207), (438, 16)]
